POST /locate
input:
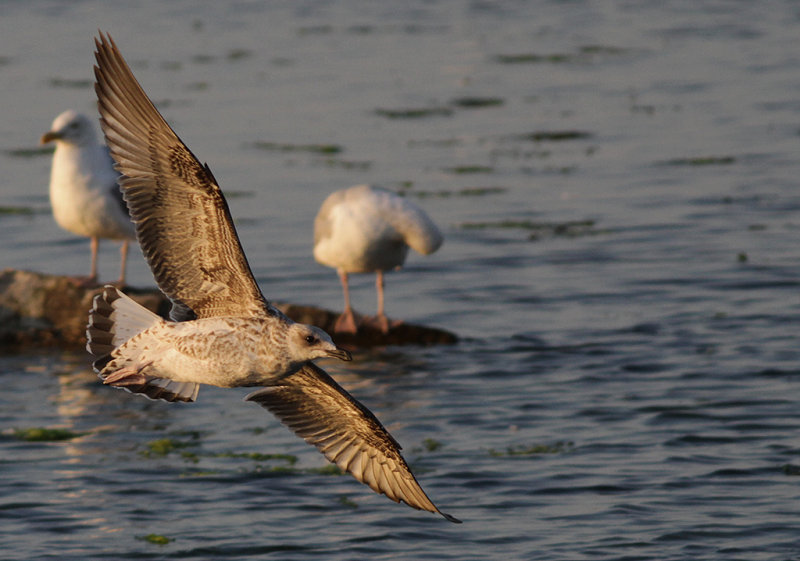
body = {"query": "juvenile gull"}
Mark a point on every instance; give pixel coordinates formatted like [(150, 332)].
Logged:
[(84, 194), (224, 332), (365, 229)]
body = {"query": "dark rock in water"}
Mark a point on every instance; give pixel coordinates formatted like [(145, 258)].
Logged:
[(47, 310), (400, 333)]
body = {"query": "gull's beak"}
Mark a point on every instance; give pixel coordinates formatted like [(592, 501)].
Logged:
[(341, 354), (49, 137)]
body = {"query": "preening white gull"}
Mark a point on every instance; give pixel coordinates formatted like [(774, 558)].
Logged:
[(365, 229), (84, 194), (223, 331)]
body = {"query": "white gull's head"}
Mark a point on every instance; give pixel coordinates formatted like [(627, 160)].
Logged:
[(71, 127), (307, 342)]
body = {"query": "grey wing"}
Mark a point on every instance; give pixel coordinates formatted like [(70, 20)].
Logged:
[(182, 219), (322, 413)]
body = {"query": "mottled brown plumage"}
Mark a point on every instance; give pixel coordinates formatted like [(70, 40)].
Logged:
[(197, 261), (224, 331)]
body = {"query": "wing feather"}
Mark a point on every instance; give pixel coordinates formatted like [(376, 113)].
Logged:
[(182, 219), (321, 412)]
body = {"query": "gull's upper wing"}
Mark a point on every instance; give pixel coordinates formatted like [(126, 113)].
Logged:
[(182, 220), (321, 412)]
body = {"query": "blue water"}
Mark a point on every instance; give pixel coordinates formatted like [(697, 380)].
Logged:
[(621, 213)]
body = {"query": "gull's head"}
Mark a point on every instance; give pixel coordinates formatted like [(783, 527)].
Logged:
[(70, 127), (308, 342)]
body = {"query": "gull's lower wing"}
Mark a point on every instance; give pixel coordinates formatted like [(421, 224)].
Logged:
[(182, 219), (321, 412)]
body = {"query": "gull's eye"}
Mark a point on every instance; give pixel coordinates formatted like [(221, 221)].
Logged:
[(310, 339)]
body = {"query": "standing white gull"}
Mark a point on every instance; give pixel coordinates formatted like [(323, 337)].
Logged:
[(365, 229), (84, 194), (224, 332)]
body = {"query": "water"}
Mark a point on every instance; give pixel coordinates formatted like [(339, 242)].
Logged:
[(626, 388)]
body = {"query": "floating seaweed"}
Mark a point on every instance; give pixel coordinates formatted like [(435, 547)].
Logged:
[(414, 112), (157, 539), (585, 53), (477, 102), (540, 230), (443, 194), (19, 211), (701, 161), (554, 136), (533, 450), (462, 170), (70, 83), (30, 152), (239, 54), (44, 434), (326, 149)]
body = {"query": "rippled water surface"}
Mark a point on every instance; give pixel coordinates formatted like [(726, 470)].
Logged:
[(618, 185)]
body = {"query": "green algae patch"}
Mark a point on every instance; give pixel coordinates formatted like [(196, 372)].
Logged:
[(533, 450), (790, 469), (201, 473), (163, 446), (239, 54), (16, 211), (435, 143), (258, 457), (702, 161), (602, 50), (477, 102), (444, 194), (43, 434), (70, 83), (584, 54), (325, 149), (348, 502), (356, 165), (540, 230), (324, 29), (431, 445), (503, 224), (330, 469), (464, 170), (35, 152), (414, 112), (534, 58), (203, 59), (555, 136), (156, 539)]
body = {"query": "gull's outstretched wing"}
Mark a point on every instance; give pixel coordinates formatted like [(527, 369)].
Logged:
[(321, 412), (182, 220)]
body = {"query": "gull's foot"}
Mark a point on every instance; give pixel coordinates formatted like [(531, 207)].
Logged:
[(346, 323)]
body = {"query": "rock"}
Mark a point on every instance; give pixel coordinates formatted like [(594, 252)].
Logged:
[(51, 311)]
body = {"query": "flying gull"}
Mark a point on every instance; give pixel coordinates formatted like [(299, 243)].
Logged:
[(223, 331), (84, 194), (365, 229)]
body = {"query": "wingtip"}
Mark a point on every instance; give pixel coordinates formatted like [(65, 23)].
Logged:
[(450, 518)]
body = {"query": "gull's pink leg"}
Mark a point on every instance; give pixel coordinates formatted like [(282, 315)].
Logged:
[(91, 280), (346, 322), (123, 255), (383, 322)]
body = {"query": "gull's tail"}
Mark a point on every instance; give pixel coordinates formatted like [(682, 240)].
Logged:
[(114, 320)]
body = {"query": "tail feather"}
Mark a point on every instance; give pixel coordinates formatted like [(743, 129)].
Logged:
[(113, 320)]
